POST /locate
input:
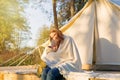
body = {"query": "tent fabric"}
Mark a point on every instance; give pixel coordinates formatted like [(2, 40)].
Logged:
[(83, 30), (108, 44)]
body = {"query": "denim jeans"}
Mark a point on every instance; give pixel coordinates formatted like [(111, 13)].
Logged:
[(51, 74)]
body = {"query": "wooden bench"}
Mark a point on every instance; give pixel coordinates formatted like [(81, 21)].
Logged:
[(97, 75), (14, 76)]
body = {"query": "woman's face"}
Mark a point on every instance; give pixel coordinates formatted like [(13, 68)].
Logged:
[(54, 36)]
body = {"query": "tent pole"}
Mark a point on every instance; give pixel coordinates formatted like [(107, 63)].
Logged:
[(96, 36)]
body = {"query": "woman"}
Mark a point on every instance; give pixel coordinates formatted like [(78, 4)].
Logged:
[(61, 57)]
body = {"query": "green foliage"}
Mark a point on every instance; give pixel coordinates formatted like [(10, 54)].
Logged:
[(43, 35), (12, 22), (79, 4), (63, 9)]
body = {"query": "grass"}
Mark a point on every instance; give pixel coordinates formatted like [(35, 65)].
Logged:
[(6, 56)]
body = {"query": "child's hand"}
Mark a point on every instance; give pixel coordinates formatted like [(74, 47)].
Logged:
[(54, 48), (50, 46)]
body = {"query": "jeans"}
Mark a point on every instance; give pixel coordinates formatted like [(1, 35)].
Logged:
[(51, 74)]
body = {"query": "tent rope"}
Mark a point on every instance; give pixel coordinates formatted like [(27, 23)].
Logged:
[(22, 60), (10, 59), (17, 60)]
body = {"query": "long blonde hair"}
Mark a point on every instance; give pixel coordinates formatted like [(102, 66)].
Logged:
[(59, 33)]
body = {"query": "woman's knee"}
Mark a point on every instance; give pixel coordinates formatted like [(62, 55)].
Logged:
[(54, 72), (45, 71)]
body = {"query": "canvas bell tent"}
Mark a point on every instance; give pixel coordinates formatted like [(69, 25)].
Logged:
[(96, 32)]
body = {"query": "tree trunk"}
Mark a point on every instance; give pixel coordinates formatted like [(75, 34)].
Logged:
[(55, 14), (72, 8)]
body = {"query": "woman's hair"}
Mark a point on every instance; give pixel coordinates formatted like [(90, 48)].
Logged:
[(58, 32)]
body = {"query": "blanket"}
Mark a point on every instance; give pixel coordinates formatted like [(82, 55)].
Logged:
[(66, 58)]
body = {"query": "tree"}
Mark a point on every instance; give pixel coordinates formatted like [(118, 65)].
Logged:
[(55, 14), (11, 23), (72, 7), (67, 9), (64, 9), (43, 35)]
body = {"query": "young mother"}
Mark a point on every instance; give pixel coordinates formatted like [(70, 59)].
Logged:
[(61, 56)]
